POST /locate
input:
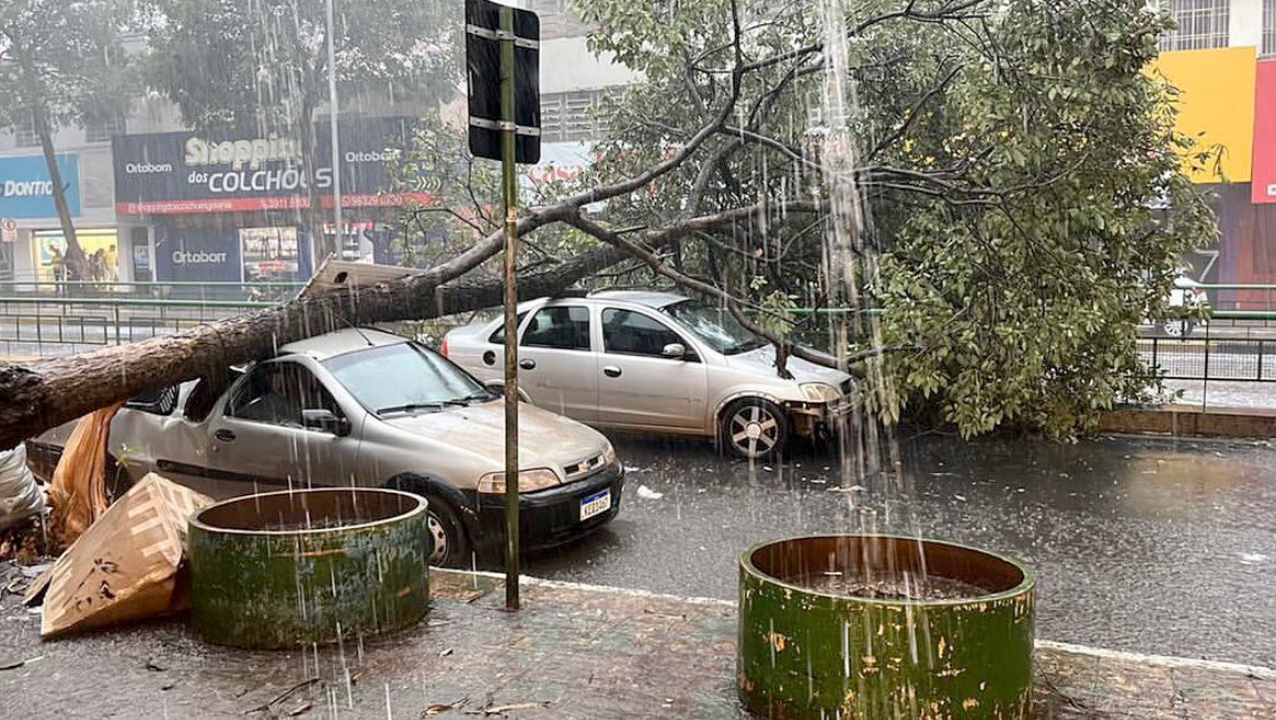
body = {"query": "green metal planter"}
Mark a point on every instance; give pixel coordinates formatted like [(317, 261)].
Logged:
[(858, 649), (309, 566)]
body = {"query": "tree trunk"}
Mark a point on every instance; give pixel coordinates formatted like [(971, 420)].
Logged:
[(48, 393), (77, 263)]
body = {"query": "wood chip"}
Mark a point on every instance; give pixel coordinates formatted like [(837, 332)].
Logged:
[(15, 664), (436, 708)]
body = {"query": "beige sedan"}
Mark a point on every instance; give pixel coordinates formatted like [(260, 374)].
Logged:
[(365, 407), (658, 362)]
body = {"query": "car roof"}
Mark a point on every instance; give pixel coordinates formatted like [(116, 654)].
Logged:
[(641, 297), (322, 347)]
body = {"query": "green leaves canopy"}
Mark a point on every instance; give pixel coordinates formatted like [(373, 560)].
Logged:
[(1024, 202)]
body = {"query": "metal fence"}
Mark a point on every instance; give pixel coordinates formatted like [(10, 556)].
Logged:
[(171, 290), (30, 323), (1212, 358)]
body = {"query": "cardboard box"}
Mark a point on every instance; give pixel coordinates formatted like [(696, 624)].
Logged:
[(128, 565)]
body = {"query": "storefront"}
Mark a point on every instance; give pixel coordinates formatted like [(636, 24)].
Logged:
[(238, 207), (34, 246)]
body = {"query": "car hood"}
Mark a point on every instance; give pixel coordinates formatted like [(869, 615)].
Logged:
[(544, 438), (763, 360)]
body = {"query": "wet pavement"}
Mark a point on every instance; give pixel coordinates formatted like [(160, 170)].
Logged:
[(572, 653), (1152, 546)]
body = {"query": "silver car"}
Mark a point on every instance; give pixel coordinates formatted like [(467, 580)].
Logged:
[(365, 407), (654, 361)]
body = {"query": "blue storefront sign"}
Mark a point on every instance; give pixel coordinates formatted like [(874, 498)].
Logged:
[(198, 254), (27, 192)]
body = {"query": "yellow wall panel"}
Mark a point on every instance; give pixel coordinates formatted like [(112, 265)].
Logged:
[(1217, 98)]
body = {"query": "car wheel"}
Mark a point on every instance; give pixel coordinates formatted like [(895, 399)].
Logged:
[(1174, 328), (754, 429), (450, 547)]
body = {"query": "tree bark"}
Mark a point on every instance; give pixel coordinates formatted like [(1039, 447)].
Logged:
[(75, 257)]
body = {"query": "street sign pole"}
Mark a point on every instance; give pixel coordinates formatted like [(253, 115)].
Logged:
[(510, 182), (503, 78)]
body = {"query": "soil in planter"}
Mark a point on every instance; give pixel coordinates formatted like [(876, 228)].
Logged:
[(890, 586)]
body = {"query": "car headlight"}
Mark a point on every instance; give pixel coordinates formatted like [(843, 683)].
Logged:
[(821, 393), (609, 455), (528, 481)]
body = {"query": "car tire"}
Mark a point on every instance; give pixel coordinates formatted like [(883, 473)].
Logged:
[(753, 429), (450, 547), (1175, 328)]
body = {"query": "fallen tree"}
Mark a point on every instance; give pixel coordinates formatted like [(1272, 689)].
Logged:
[(1006, 195), (47, 393)]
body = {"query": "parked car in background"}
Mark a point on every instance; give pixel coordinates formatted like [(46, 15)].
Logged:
[(659, 362), (1185, 298), (365, 407)]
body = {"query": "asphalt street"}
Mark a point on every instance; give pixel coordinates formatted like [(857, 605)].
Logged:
[(1140, 545)]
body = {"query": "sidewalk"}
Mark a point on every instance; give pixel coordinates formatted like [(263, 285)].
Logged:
[(573, 652)]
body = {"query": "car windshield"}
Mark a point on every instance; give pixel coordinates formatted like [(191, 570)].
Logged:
[(405, 378), (714, 325)]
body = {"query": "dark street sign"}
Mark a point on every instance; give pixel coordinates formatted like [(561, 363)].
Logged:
[(483, 58)]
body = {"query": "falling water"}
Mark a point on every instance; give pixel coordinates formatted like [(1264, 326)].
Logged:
[(868, 449)]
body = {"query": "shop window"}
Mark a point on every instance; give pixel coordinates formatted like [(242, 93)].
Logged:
[(271, 254), (100, 246), (104, 129), (1269, 27), (24, 134), (1202, 24)]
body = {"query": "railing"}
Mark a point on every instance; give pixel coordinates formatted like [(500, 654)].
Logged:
[(156, 290), (29, 323), (1212, 359)]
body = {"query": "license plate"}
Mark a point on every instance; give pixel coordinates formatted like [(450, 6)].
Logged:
[(599, 502)]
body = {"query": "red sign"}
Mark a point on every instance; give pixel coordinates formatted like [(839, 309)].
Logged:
[(1264, 169)]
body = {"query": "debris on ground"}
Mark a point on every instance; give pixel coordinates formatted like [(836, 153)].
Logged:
[(20, 496), (649, 494), (77, 493), (27, 541), (15, 664), (267, 706), (490, 709), (436, 708), (127, 566)]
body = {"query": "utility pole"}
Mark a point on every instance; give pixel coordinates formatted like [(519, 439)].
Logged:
[(339, 230)]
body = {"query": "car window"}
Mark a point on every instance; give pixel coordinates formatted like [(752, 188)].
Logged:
[(632, 333), (562, 327), (404, 377), (157, 401), (498, 336), (276, 393)]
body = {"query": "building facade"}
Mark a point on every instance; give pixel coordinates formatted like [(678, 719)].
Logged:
[(1222, 58), (155, 201)]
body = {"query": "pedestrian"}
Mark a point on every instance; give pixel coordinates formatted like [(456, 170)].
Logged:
[(97, 265), (112, 264), (57, 263)]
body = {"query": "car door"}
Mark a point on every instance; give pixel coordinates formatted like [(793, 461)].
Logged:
[(259, 438), (637, 386), (556, 362)]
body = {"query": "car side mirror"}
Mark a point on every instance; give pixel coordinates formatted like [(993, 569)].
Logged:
[(326, 421), (674, 351)]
